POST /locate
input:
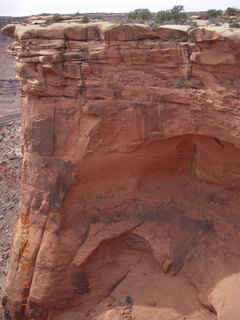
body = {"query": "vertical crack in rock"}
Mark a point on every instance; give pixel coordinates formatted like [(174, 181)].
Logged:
[(185, 54)]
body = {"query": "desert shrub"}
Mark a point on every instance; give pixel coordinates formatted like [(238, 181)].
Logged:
[(121, 22), (55, 18), (162, 16), (234, 24), (140, 14), (140, 21), (128, 301), (153, 25), (212, 13), (97, 17), (178, 83), (77, 14), (231, 11), (216, 22), (191, 23), (175, 15), (85, 19)]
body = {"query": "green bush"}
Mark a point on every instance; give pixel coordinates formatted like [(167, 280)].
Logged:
[(97, 17), (140, 14), (55, 18), (175, 15), (234, 24), (192, 24), (212, 13), (85, 19), (216, 22), (77, 14), (231, 11), (153, 25), (162, 16), (128, 301)]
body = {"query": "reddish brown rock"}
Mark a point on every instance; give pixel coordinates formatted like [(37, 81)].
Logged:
[(131, 175), (178, 33)]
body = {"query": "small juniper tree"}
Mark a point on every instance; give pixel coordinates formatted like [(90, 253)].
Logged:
[(140, 14), (56, 17), (175, 15), (231, 11), (85, 19), (212, 13), (234, 24)]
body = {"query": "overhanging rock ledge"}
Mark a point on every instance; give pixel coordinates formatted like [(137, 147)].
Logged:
[(131, 173)]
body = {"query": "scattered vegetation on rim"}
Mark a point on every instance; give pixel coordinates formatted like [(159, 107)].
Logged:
[(55, 18), (175, 15), (212, 13), (231, 11), (85, 19), (234, 24), (97, 17), (140, 14)]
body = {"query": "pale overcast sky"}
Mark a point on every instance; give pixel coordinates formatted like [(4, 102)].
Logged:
[(29, 7)]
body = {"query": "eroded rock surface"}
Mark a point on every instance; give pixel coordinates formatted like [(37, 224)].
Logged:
[(9, 97), (10, 167), (131, 173)]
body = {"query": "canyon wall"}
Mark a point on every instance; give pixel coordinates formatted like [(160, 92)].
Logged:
[(10, 150), (9, 97), (131, 173)]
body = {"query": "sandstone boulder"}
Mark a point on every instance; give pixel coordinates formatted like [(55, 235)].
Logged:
[(205, 34), (85, 32), (9, 30), (54, 31), (114, 32), (173, 32)]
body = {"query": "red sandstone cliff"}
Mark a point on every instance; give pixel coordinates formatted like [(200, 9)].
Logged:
[(9, 98), (131, 173)]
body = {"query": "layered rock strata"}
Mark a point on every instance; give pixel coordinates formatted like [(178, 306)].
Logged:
[(131, 173), (9, 97)]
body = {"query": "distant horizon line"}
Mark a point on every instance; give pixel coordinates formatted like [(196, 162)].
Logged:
[(90, 12)]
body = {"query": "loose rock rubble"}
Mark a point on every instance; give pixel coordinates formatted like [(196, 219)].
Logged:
[(10, 172)]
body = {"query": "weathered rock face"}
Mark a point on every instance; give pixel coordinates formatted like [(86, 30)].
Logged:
[(9, 98), (7, 20), (131, 173)]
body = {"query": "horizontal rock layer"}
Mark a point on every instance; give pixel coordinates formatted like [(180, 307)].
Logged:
[(131, 172)]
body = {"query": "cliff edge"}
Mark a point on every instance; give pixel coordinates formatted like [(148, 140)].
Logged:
[(131, 173)]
